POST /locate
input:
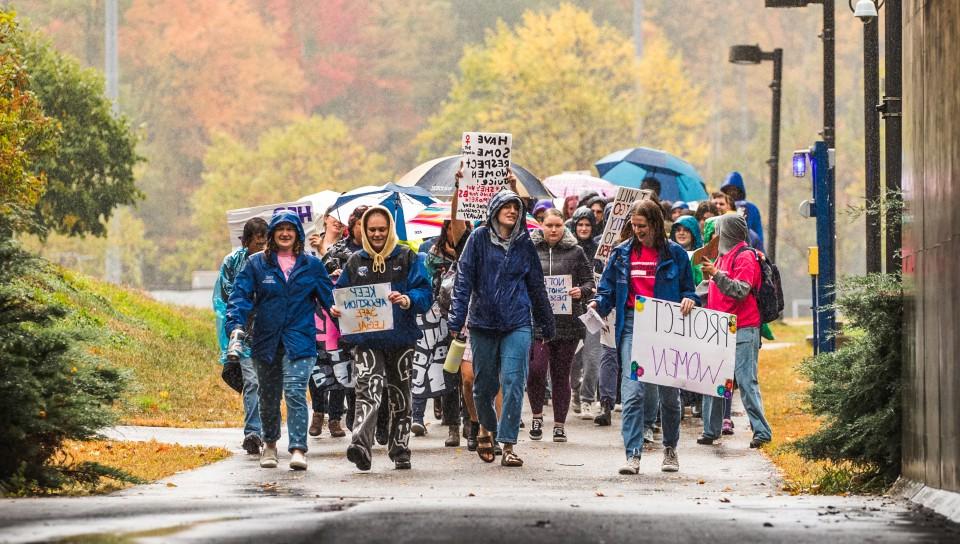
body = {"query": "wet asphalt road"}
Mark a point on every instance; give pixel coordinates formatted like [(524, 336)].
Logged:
[(565, 493)]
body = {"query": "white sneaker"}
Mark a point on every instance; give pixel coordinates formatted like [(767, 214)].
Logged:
[(298, 461), (586, 410), (268, 458), (648, 436), (618, 407), (631, 467)]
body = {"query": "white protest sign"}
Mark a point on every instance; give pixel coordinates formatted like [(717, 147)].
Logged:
[(558, 291), (237, 218), (618, 218), (486, 163), (696, 352), (364, 308)]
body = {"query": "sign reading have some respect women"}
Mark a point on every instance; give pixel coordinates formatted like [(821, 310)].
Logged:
[(486, 163), (364, 308), (695, 352)]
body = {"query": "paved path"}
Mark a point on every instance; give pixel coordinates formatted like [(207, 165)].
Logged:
[(565, 493)]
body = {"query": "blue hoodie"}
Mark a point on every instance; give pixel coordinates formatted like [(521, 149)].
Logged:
[(501, 283), (284, 306), (750, 211), (691, 224)]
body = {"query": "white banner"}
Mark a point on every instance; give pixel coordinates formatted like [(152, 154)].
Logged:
[(696, 353), (364, 308), (486, 163), (618, 218), (558, 291), (236, 219)]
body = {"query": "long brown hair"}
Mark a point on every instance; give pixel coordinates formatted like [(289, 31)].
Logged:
[(653, 213)]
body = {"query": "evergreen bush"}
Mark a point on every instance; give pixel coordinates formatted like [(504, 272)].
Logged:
[(857, 388)]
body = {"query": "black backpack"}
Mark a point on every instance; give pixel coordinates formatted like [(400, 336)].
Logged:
[(770, 293)]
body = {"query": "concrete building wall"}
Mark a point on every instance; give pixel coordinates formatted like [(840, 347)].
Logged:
[(931, 241)]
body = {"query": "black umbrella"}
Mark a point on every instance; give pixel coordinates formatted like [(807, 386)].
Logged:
[(437, 176)]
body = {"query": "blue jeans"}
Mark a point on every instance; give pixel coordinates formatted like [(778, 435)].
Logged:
[(500, 358), (745, 374), (609, 377), (591, 355), (251, 399), (633, 397), (283, 376)]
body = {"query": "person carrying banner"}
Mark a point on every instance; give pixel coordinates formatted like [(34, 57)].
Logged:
[(732, 281), (283, 286), (560, 255), (254, 239), (384, 358), (647, 264), (500, 280)]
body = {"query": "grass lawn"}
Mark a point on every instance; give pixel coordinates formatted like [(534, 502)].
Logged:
[(149, 461)]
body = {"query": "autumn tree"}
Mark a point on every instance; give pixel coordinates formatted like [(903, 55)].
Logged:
[(567, 90), (285, 164)]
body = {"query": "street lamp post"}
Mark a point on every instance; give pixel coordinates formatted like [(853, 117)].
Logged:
[(871, 129), (752, 54), (891, 110)]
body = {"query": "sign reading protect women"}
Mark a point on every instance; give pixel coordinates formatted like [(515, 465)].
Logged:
[(364, 308), (486, 163), (695, 352)]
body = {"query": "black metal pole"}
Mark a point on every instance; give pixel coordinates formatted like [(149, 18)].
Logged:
[(871, 129), (892, 117), (774, 160), (829, 103)]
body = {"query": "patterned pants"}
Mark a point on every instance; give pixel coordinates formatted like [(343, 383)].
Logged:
[(380, 371)]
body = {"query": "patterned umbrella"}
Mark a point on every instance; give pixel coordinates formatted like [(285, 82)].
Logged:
[(403, 202), (433, 216)]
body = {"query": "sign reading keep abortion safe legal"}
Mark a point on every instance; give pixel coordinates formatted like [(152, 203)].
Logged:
[(486, 163), (695, 352), (364, 308)]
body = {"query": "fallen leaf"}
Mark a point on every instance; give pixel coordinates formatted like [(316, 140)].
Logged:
[(599, 493), (171, 484), (701, 482)]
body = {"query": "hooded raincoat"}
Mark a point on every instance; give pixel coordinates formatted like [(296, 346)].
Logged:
[(691, 224), (749, 210)]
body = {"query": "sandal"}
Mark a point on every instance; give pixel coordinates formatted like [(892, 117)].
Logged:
[(485, 448), (511, 459)]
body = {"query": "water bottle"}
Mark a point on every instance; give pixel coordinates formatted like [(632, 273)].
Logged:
[(235, 347), (454, 356)]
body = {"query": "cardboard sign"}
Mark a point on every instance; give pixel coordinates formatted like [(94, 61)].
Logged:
[(558, 291), (696, 352), (236, 219), (707, 252), (486, 163), (618, 218), (364, 308)]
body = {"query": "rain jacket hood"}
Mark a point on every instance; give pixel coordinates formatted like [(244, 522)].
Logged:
[(542, 205), (498, 201), (734, 179), (584, 212), (692, 225), (732, 229), (286, 216)]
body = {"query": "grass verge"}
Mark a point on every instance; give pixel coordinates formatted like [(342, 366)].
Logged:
[(148, 461)]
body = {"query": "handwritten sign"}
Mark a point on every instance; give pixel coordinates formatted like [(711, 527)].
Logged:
[(364, 308), (618, 218), (236, 219), (558, 291), (486, 163), (694, 352)]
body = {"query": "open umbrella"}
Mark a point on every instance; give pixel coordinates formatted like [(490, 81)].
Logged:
[(570, 184), (678, 179), (402, 202), (437, 176), (433, 216), (320, 201)]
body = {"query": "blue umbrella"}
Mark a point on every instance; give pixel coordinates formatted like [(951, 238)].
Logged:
[(678, 179), (403, 202)]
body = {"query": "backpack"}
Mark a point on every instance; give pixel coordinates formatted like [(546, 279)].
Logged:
[(769, 294)]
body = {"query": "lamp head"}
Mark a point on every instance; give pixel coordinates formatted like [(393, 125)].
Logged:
[(745, 54), (866, 11), (800, 163)]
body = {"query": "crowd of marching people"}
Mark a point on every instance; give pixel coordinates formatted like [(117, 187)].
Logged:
[(500, 343)]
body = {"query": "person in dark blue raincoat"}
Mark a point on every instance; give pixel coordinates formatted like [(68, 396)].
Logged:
[(500, 281), (283, 286), (735, 187)]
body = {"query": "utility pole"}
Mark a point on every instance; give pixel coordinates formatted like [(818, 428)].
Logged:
[(892, 118), (113, 268), (871, 130)]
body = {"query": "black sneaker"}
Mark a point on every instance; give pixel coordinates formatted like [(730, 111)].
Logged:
[(472, 437), (705, 440), (359, 456), (757, 443), (603, 418), (251, 444), (536, 429), (559, 435), (402, 461)]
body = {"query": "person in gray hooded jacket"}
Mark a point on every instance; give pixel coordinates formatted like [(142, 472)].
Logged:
[(560, 255)]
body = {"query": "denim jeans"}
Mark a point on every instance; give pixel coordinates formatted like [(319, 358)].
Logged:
[(289, 378), (500, 359), (745, 374), (633, 396), (591, 354), (251, 399), (609, 376)]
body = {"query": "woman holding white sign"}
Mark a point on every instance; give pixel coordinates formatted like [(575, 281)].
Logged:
[(384, 356), (650, 265), (569, 281)]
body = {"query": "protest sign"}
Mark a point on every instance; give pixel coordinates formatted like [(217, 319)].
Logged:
[(428, 379), (486, 163), (558, 291), (706, 253), (237, 218), (618, 218), (364, 308), (695, 352)]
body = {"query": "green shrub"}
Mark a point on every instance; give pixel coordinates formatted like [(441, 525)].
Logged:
[(856, 389), (50, 390)]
